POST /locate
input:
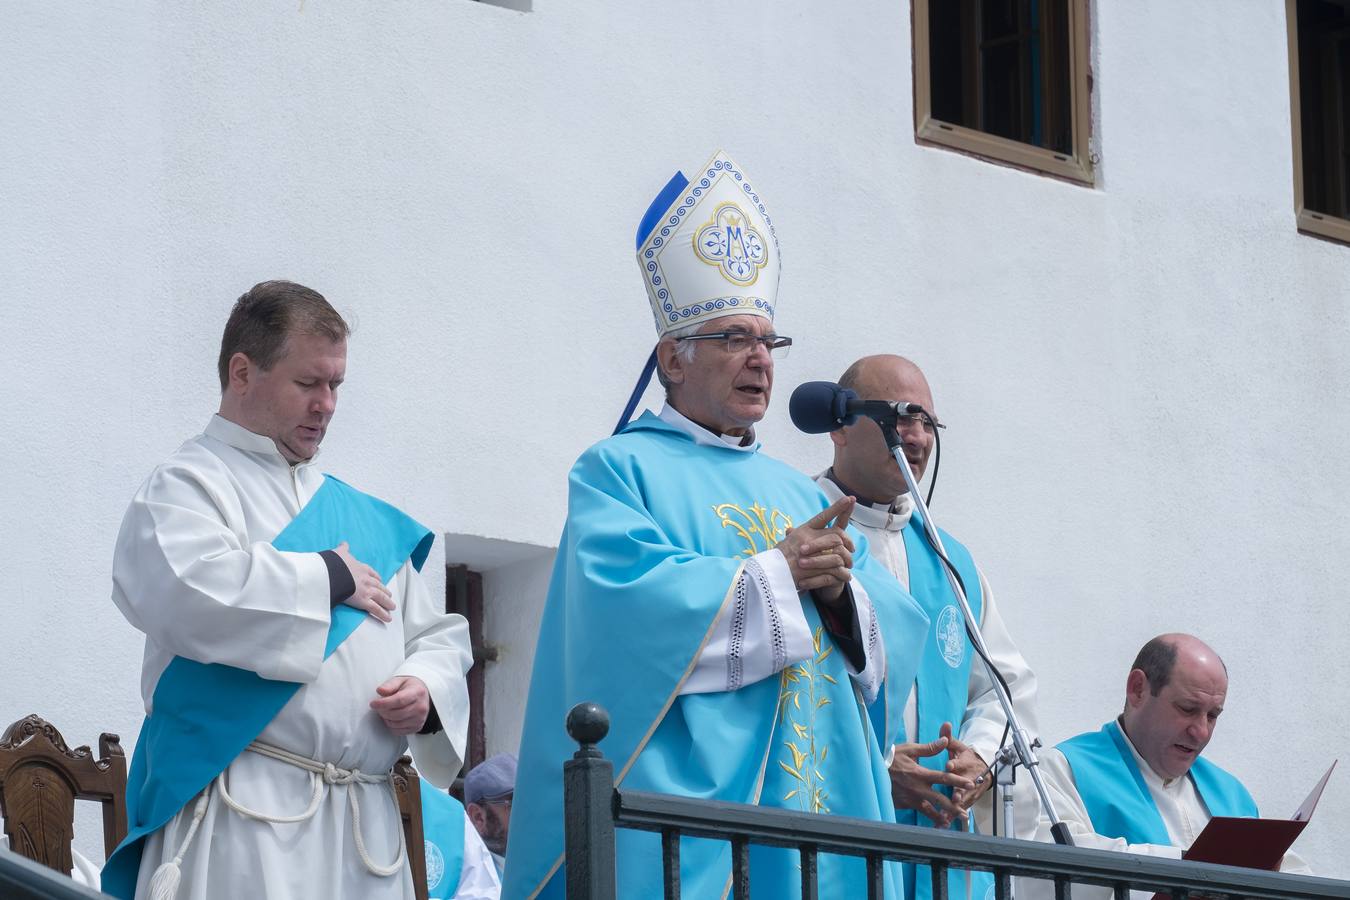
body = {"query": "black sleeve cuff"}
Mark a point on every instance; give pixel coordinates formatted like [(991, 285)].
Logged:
[(433, 723), (841, 620), (341, 585)]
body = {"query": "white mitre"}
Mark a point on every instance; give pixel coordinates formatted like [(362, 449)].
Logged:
[(707, 249)]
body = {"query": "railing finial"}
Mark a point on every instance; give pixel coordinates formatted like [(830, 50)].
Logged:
[(588, 723), (588, 807)]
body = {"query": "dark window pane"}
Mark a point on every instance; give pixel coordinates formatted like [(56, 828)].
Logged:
[(1058, 115), (1002, 67), (945, 60), (1002, 97), (1000, 18), (1324, 104), (1337, 152)]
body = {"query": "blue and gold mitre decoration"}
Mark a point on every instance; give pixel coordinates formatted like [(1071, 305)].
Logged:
[(707, 249)]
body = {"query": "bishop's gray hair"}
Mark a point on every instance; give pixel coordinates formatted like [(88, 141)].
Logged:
[(683, 349)]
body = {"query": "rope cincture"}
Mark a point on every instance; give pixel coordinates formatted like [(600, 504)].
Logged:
[(164, 884)]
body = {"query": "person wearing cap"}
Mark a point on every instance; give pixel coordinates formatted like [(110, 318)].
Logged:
[(707, 595), (953, 719), (459, 865), (487, 796)]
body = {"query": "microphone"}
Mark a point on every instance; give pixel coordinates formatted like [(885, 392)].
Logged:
[(820, 406)]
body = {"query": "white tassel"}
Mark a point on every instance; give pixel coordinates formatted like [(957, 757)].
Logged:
[(164, 885)]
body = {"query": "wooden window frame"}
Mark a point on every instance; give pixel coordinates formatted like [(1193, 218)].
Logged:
[(1076, 166), (1309, 221)]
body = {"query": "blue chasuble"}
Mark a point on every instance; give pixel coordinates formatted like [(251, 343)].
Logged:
[(1118, 800), (943, 685), (658, 529), (443, 829), (204, 715)]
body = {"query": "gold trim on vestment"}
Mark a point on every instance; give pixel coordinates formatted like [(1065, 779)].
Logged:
[(642, 744)]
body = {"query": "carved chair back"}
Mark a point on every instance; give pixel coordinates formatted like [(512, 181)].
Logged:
[(408, 786), (40, 780)]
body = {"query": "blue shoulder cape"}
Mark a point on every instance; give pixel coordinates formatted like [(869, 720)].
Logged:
[(190, 737), (1118, 800)]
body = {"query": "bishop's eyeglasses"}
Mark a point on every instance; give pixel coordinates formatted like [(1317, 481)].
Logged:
[(736, 342)]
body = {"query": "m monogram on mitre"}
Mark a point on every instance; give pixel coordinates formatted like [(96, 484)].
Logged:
[(710, 250)]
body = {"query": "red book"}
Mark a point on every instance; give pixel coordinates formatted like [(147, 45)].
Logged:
[(1252, 843)]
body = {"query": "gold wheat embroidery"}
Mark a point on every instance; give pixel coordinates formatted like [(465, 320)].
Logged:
[(760, 528), (798, 701), (798, 697)]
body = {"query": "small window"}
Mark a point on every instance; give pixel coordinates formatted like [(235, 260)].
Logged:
[(1319, 83), (1005, 79)]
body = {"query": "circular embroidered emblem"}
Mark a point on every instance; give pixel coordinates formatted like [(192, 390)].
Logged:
[(950, 636), (435, 865), (728, 241)]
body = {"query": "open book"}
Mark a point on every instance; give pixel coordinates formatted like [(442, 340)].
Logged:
[(1253, 843)]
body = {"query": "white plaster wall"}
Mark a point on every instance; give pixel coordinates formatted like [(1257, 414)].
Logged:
[(513, 602), (1144, 380)]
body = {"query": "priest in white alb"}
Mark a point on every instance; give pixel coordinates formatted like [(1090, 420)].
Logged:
[(292, 650), (952, 707), (1139, 784)]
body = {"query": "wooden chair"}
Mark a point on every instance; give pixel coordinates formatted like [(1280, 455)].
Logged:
[(40, 780), (408, 786)]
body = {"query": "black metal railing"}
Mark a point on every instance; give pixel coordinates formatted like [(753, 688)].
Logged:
[(23, 879), (594, 808)]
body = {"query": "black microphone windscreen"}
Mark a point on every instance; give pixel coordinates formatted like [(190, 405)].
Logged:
[(818, 406)]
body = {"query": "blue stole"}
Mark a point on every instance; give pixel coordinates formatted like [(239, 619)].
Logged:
[(204, 715), (1117, 799), (658, 527), (943, 688), (443, 828)]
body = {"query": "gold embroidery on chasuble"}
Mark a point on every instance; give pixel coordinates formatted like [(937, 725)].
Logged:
[(800, 695), (800, 691), (761, 528)]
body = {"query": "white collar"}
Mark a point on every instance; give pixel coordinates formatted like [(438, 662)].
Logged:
[(891, 517), (239, 437), (673, 417)]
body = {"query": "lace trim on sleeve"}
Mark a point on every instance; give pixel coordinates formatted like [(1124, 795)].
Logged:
[(873, 644), (736, 641), (739, 619), (775, 618)]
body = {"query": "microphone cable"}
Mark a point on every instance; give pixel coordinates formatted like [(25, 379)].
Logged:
[(893, 421), (978, 645), (937, 455)]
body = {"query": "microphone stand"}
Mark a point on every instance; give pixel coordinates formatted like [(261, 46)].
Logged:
[(1021, 740), (1005, 780)]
